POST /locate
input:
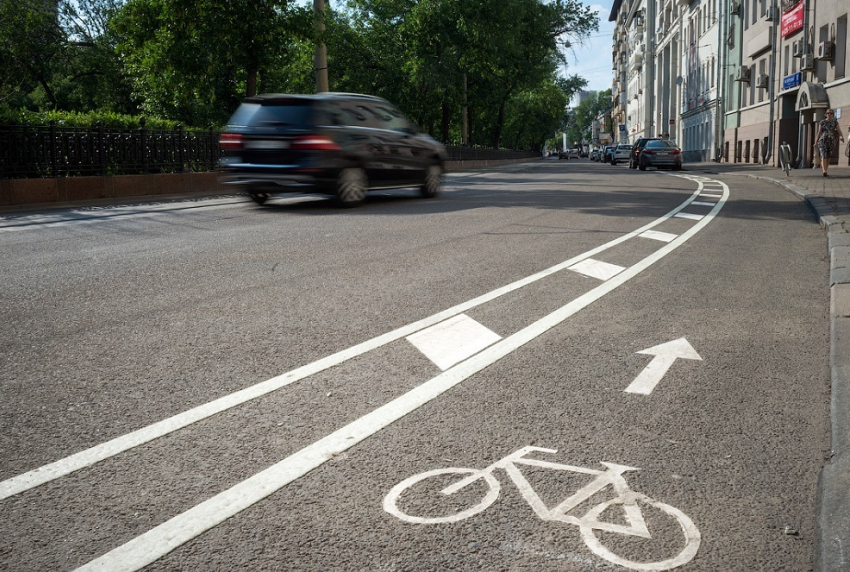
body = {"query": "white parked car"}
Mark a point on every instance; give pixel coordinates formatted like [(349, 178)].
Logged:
[(621, 154)]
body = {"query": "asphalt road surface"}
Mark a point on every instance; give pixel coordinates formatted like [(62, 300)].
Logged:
[(618, 370)]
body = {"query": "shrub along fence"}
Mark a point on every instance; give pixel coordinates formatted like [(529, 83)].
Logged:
[(54, 151)]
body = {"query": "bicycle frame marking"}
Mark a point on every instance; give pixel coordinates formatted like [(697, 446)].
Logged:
[(612, 476)]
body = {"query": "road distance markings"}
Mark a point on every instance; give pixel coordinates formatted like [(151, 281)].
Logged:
[(597, 269), (453, 341)]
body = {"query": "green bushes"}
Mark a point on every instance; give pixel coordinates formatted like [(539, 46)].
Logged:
[(77, 119)]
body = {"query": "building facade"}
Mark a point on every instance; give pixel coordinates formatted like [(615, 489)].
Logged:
[(730, 80)]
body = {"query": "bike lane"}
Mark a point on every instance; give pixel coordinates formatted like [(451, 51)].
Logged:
[(492, 444)]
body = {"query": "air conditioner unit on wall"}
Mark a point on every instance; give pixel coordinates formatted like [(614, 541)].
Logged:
[(808, 62), (735, 7), (798, 48), (762, 80), (770, 15), (743, 74), (825, 50)]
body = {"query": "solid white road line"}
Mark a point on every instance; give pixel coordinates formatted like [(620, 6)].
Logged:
[(161, 540), (88, 457)]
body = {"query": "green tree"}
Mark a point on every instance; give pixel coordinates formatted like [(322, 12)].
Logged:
[(30, 41), (194, 60)]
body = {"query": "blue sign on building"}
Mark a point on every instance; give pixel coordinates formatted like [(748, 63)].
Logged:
[(792, 80)]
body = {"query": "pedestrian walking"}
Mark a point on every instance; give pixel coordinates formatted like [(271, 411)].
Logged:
[(825, 138)]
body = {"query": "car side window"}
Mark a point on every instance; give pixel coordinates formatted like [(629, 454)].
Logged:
[(396, 119), (373, 117), (351, 115)]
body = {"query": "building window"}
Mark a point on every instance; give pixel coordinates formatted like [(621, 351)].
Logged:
[(786, 53)]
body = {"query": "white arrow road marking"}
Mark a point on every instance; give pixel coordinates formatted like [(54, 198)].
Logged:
[(665, 355)]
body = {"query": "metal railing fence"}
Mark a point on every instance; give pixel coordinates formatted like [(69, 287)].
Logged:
[(54, 151)]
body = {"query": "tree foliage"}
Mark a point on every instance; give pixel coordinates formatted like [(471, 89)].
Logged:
[(493, 63)]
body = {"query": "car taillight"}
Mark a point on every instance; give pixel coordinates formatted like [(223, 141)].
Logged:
[(648, 152), (675, 152), (314, 143), (230, 142)]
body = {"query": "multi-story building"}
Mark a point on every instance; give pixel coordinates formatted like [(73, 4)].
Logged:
[(730, 80)]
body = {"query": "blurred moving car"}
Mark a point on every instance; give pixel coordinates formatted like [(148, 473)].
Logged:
[(660, 153), (637, 148), (594, 154), (608, 154), (331, 143), (562, 154), (621, 154), (574, 154)]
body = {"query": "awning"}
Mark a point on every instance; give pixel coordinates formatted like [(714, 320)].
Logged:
[(811, 96)]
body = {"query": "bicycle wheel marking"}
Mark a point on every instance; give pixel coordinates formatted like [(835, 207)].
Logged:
[(162, 539), (588, 524)]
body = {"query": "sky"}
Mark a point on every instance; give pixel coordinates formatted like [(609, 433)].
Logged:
[(592, 60)]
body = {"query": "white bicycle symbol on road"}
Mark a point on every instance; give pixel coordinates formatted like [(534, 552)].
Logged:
[(588, 524)]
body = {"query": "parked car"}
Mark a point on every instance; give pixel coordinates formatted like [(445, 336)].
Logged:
[(331, 143), (608, 154), (621, 154), (594, 154), (574, 154), (660, 153), (637, 148), (562, 154)]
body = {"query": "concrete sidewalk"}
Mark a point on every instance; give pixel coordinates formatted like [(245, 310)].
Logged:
[(829, 198)]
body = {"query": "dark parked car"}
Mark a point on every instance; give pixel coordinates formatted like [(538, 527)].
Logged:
[(660, 153), (637, 148), (331, 143), (608, 154)]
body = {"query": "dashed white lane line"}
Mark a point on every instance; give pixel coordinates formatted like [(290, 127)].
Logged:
[(658, 235), (597, 269), (689, 216), (449, 343), (162, 539)]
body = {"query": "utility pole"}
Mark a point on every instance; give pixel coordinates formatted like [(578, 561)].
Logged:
[(321, 57)]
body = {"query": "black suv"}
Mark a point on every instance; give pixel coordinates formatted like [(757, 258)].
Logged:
[(331, 143), (634, 155)]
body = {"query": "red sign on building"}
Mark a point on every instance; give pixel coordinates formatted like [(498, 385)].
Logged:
[(792, 20)]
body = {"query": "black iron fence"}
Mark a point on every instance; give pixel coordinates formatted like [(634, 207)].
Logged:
[(53, 151)]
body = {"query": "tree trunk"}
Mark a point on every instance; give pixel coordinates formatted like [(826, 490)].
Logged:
[(251, 88), (500, 121), (445, 124)]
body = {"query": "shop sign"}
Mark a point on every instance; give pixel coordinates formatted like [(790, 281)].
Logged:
[(793, 19)]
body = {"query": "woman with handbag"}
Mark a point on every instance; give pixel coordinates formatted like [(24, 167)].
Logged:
[(827, 132)]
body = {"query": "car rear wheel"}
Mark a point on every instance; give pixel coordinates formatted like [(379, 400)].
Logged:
[(642, 166), (260, 198), (351, 186), (431, 185)]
